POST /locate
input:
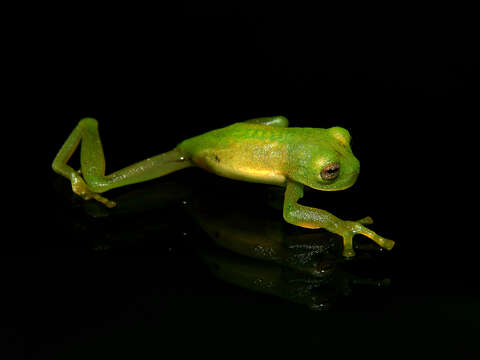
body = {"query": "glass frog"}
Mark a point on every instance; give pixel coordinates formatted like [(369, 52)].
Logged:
[(263, 150)]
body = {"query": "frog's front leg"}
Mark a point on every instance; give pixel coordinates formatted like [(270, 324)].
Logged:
[(92, 180), (313, 218)]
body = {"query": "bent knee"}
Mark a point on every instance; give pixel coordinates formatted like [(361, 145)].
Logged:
[(89, 122), (280, 121)]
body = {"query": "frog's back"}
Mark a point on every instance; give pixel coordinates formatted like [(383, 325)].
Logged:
[(241, 132), (218, 138)]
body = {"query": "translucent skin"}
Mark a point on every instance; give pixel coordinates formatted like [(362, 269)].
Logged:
[(263, 150)]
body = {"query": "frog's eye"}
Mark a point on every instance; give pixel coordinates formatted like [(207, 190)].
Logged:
[(330, 171)]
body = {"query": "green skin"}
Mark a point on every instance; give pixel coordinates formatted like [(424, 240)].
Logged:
[(263, 150)]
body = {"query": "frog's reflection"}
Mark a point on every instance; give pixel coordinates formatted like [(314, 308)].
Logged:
[(258, 251), (318, 290), (252, 246)]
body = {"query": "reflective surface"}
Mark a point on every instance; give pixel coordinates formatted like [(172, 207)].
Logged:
[(172, 263)]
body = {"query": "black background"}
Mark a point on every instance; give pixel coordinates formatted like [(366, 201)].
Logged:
[(404, 87)]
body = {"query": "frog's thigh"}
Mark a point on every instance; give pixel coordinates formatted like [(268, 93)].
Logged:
[(93, 163)]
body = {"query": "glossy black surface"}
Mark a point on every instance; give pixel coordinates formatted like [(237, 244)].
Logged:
[(148, 278)]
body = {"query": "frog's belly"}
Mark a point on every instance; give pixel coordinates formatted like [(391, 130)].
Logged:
[(262, 165)]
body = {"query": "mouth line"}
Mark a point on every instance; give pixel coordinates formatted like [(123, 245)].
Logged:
[(336, 189), (339, 188), (333, 188)]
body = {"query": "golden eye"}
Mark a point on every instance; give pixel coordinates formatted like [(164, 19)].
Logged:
[(330, 171)]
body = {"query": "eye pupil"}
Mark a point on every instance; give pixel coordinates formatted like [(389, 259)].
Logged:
[(330, 172)]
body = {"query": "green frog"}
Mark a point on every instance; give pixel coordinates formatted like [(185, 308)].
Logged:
[(263, 150)]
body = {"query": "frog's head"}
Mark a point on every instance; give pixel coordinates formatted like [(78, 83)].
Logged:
[(326, 162)]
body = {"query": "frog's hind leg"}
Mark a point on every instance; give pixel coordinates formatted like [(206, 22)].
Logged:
[(93, 180), (279, 121)]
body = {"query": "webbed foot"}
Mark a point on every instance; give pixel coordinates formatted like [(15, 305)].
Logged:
[(348, 229)]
